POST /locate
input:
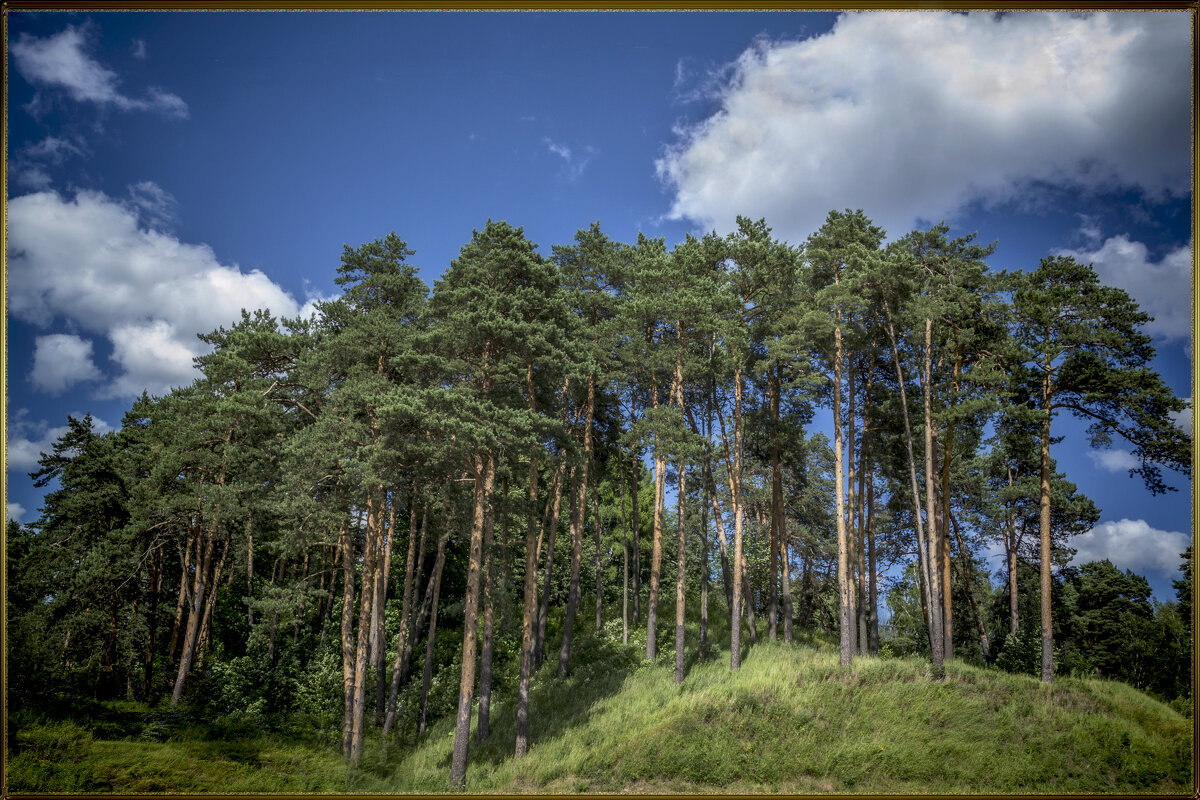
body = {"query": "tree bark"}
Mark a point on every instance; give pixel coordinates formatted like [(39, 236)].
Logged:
[(378, 629), (406, 633), (484, 479), (347, 540), (197, 597), (530, 603), (366, 597), (680, 573), (489, 619), (1044, 520), (660, 466), (596, 536), (735, 616), (579, 512), (936, 633), (773, 390), (427, 674), (544, 609)]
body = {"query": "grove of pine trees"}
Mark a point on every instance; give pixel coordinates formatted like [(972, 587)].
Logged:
[(505, 457)]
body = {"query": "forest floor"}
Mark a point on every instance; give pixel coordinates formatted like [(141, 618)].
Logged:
[(789, 721)]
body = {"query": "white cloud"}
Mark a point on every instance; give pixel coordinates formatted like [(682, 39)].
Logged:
[(15, 511), (574, 162), (28, 440), (1114, 460), (155, 205), (1132, 544), (138, 49), (1163, 289), (88, 260), (915, 115), (1183, 419), (60, 361), (61, 61), (28, 166)]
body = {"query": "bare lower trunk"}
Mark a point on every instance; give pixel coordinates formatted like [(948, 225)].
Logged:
[(936, 631), (544, 607), (773, 389), (485, 476), (660, 467), (1044, 520), (578, 509), (530, 598), (703, 580), (347, 543), (378, 631), (427, 674), (366, 597), (404, 639), (596, 537), (735, 614), (198, 595), (489, 620), (680, 574)]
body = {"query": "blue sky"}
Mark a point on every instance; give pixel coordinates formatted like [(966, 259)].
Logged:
[(166, 169)]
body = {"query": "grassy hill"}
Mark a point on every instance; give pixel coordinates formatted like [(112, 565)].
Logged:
[(790, 721)]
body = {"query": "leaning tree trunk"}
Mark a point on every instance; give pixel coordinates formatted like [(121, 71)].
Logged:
[(198, 595)]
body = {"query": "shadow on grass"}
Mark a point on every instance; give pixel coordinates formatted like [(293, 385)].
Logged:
[(599, 667)]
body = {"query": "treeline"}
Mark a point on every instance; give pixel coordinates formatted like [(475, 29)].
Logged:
[(340, 484)]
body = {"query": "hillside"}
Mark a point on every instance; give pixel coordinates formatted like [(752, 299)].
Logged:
[(789, 721)]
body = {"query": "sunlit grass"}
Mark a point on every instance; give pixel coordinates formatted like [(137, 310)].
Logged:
[(790, 720)]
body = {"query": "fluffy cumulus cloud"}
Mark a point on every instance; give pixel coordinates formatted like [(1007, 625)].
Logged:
[(1162, 288), (60, 361), (28, 439), (1132, 544), (90, 261), (61, 62), (916, 115)]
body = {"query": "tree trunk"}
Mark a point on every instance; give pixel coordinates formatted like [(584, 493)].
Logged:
[(703, 580), (872, 589), (624, 574), (845, 629), (484, 479), (1010, 552), (544, 609), (1044, 519), (634, 490), (680, 573), (773, 390), (378, 621), (489, 620), (362, 653), (923, 557), (156, 581), (936, 639), (735, 614), (195, 612), (436, 584), (347, 538), (660, 467), (406, 633), (596, 536), (854, 576), (578, 515)]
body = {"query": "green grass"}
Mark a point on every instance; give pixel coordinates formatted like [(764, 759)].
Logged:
[(790, 721)]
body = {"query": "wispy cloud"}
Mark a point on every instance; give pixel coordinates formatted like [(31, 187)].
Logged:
[(138, 49), (1114, 460), (61, 62), (574, 162), (29, 167)]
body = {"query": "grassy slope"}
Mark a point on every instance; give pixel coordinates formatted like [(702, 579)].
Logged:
[(789, 721)]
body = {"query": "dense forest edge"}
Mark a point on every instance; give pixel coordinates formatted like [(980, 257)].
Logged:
[(571, 523)]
